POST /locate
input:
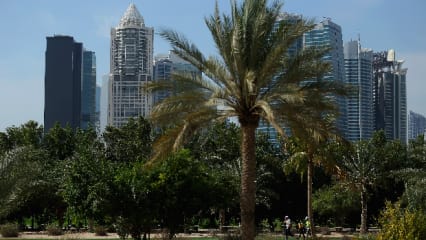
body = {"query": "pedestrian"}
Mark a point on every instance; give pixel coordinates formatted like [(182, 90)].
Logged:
[(308, 226), (301, 229), (287, 227)]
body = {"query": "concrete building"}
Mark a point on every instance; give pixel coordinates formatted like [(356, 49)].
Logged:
[(390, 95), (416, 125), (359, 74), (62, 82), (131, 68)]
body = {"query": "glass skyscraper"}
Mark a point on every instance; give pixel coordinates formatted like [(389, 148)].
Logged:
[(329, 34), (131, 68), (164, 66), (416, 125), (88, 96), (62, 82), (390, 95), (359, 74)]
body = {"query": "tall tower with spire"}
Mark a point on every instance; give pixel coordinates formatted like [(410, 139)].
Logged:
[(130, 68)]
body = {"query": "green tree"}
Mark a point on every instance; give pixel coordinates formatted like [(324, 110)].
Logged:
[(218, 147), (28, 134), (59, 142), (130, 143), (85, 172), (311, 145), (414, 176), (363, 165), (336, 203), (254, 78), (27, 185), (184, 187)]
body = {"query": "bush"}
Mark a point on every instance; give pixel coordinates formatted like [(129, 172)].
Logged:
[(53, 230), (398, 223), (9, 230), (277, 225), (100, 231)]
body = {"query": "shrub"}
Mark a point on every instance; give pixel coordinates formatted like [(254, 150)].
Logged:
[(9, 230), (398, 223), (53, 230), (100, 231), (277, 225)]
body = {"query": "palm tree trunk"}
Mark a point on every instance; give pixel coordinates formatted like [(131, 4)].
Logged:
[(363, 229), (248, 178), (309, 194)]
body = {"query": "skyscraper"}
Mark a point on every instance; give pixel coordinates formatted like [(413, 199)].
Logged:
[(165, 65), (62, 82), (297, 46), (416, 125), (104, 104), (88, 96), (390, 95), (329, 34), (359, 74), (131, 68)]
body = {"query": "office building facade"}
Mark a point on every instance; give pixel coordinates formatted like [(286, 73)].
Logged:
[(359, 74), (329, 34), (390, 95), (63, 77), (130, 68), (165, 66), (416, 125), (88, 95)]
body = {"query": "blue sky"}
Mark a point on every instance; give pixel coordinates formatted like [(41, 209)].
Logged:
[(24, 25)]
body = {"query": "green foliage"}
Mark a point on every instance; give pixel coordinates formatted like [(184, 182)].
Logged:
[(335, 203), (60, 142), (86, 177), (278, 225), (9, 230), (28, 134), (264, 225), (414, 176), (398, 223), (130, 143), (183, 188)]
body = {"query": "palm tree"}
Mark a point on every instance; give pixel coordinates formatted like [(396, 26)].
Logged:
[(310, 147), (252, 79)]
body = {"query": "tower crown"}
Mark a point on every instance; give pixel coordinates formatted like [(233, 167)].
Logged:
[(131, 18)]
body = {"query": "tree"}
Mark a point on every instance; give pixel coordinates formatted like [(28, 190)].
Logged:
[(336, 203), (86, 172), (184, 187), (363, 166), (254, 78), (59, 142), (414, 175), (218, 147), (28, 134), (130, 143), (310, 147)]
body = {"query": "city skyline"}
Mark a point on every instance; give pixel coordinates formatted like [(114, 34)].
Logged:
[(382, 25)]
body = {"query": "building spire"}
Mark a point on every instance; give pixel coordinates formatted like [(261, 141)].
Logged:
[(131, 18)]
